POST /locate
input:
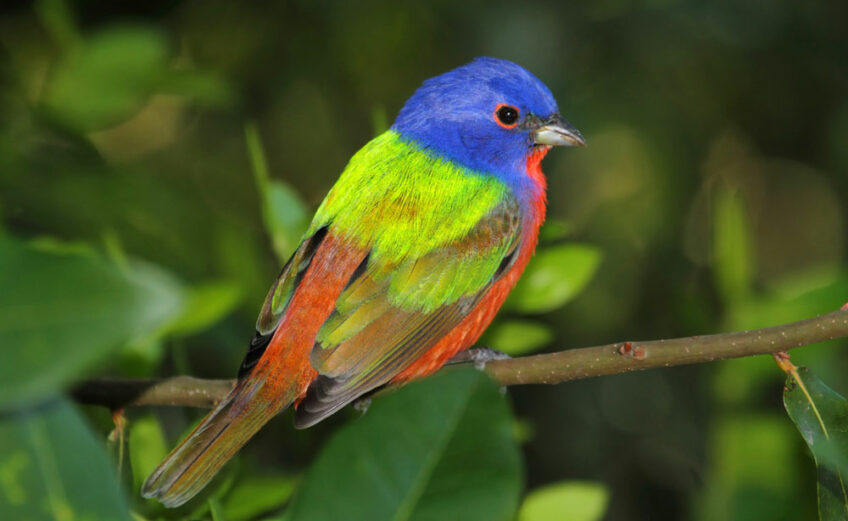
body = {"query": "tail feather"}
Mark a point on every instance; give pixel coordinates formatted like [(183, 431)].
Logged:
[(195, 461)]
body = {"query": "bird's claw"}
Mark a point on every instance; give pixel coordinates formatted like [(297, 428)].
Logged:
[(479, 356), (362, 404)]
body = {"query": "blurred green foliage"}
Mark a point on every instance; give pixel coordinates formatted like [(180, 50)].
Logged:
[(517, 337), (557, 275), (574, 500), (62, 312), (53, 467), (159, 160), (441, 448)]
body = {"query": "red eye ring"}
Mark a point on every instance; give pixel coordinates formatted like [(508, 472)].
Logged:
[(506, 115)]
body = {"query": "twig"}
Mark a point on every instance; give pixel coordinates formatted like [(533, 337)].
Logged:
[(615, 358), (551, 368), (185, 391)]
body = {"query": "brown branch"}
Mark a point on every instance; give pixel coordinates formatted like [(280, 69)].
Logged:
[(551, 368), (616, 358), (184, 391)]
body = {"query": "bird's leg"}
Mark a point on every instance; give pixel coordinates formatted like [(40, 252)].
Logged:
[(480, 356)]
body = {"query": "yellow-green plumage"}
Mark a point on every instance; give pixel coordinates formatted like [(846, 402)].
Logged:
[(405, 205), (402, 201)]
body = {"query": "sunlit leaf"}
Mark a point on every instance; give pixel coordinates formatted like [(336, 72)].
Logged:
[(146, 446), (52, 468), (732, 256), (821, 416), (437, 449), (571, 500), (287, 217), (284, 214), (60, 313), (553, 277), (517, 337)]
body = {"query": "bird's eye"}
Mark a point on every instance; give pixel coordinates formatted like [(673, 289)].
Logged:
[(506, 115)]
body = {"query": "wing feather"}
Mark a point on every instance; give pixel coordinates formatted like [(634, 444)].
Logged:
[(393, 311), (279, 296)]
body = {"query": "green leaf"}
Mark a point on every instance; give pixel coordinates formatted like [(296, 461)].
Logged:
[(553, 277), (53, 468), (215, 510), (61, 313), (287, 217), (379, 120), (437, 449), (201, 87), (146, 447), (517, 337), (554, 230), (806, 293), (803, 294), (752, 472), (732, 256), (257, 495), (821, 416), (108, 77), (58, 20), (283, 212), (572, 500), (205, 304)]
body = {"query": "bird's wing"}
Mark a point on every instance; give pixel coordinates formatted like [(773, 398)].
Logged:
[(281, 292), (420, 238), (392, 311)]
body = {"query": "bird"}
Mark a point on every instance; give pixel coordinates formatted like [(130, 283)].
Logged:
[(405, 263)]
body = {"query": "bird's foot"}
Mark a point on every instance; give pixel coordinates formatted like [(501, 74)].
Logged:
[(479, 356), (361, 404)]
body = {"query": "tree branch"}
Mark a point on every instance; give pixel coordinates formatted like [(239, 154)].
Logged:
[(183, 391), (552, 368)]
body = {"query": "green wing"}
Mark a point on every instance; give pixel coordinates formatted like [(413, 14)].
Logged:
[(393, 311)]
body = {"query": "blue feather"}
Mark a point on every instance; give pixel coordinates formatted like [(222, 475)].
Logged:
[(453, 115)]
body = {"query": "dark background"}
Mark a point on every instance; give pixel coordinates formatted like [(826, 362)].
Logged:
[(715, 186)]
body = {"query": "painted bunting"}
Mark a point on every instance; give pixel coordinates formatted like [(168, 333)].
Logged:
[(405, 263)]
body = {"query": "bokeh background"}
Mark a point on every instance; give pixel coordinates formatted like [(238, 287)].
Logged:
[(198, 136)]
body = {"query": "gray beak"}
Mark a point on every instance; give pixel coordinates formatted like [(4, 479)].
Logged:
[(558, 132)]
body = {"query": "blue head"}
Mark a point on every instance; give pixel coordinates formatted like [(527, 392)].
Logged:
[(488, 115)]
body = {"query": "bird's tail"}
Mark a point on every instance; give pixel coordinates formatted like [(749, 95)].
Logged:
[(195, 461)]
